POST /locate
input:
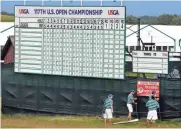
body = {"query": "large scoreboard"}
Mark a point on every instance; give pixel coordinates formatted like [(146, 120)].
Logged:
[(70, 41)]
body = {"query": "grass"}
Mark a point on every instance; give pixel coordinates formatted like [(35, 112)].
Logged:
[(149, 75), (32, 121), (7, 18)]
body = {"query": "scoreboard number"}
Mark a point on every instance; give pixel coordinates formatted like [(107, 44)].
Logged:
[(122, 24), (24, 24)]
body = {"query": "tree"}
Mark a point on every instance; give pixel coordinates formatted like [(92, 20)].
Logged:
[(131, 19), (176, 20), (149, 20), (165, 19)]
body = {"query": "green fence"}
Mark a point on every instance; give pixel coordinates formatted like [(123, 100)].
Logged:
[(79, 95)]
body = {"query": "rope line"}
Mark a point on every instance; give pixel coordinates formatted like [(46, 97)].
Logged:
[(6, 29)]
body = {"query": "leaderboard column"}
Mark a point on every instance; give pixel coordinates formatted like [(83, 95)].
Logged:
[(28, 44), (17, 45), (118, 47)]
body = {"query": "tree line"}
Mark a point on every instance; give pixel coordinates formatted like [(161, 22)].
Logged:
[(164, 19)]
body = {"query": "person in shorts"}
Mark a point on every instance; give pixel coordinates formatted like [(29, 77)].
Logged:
[(108, 110), (152, 106), (130, 102)]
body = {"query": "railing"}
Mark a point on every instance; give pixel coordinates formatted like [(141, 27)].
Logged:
[(158, 31), (7, 29)]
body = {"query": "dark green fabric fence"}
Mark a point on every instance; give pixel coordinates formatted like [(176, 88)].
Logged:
[(78, 95), (171, 66)]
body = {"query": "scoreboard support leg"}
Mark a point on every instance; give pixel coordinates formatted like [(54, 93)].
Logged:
[(137, 111)]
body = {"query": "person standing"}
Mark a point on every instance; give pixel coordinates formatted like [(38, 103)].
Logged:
[(108, 110), (152, 106), (130, 102)]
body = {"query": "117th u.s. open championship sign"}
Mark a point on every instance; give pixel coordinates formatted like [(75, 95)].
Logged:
[(145, 88)]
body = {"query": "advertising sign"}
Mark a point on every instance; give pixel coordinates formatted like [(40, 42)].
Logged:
[(145, 88)]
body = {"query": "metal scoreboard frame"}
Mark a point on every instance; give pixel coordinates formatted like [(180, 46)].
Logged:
[(120, 72), (159, 57)]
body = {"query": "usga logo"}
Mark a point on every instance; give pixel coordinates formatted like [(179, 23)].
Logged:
[(23, 11), (113, 12)]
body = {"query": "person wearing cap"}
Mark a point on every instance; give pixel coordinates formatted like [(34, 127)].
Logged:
[(130, 101), (152, 106), (108, 110)]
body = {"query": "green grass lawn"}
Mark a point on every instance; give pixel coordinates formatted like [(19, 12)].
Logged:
[(32, 121), (7, 18), (148, 75)]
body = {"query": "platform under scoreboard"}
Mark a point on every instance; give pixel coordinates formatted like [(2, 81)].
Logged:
[(71, 41)]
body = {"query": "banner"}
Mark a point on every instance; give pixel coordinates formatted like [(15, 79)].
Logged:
[(145, 88)]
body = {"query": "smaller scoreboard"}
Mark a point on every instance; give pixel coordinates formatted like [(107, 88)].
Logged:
[(150, 62)]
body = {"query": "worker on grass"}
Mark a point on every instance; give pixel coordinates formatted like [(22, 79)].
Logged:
[(130, 102), (108, 110), (152, 106)]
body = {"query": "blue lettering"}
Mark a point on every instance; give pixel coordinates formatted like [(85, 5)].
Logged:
[(40, 11), (50, 11), (61, 11), (85, 12)]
